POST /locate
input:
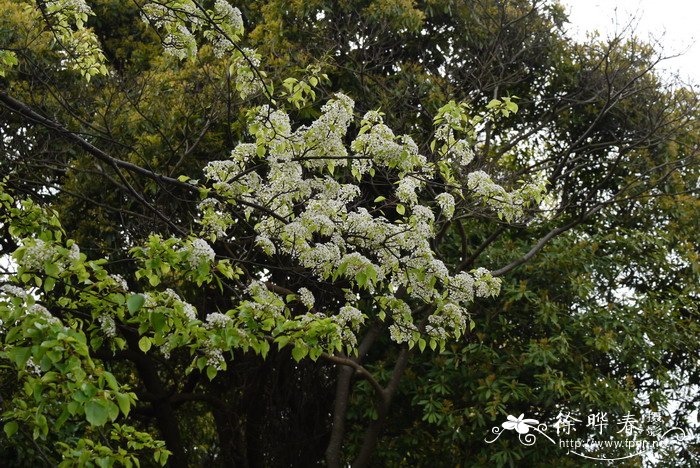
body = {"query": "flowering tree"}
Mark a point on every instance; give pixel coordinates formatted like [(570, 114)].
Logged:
[(316, 237)]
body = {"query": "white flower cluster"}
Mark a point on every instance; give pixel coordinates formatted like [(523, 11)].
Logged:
[(247, 80), (180, 42), (170, 301), (172, 17), (307, 298), (231, 24), (320, 222), (165, 349), (402, 332), (509, 205), (32, 366), (120, 282), (349, 316), (385, 149), (406, 191), (36, 254), (463, 153), (150, 302), (450, 320), (73, 253), (462, 288), (266, 245), (222, 171), (446, 202), (323, 140), (72, 7), (403, 328), (107, 325), (217, 320), (346, 323), (12, 290), (199, 252), (189, 310), (265, 303), (42, 312), (486, 285), (215, 357)]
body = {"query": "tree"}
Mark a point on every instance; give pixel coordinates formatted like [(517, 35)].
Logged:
[(321, 237)]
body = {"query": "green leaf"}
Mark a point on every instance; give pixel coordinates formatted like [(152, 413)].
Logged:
[(49, 284), (10, 428), (158, 321), (299, 352), (123, 402), (20, 355), (400, 209), (145, 344), (493, 103), (111, 381), (95, 413), (135, 302), (282, 341), (112, 410)]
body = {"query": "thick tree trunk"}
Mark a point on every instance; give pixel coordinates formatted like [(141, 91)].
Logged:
[(369, 442), (166, 421), (342, 396), (170, 431), (231, 441)]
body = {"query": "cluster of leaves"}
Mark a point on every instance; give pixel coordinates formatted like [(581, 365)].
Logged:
[(558, 336)]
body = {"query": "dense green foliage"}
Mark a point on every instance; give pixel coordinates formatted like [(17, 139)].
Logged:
[(603, 317)]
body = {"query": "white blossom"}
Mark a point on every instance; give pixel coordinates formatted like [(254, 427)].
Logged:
[(120, 282), (165, 349), (349, 316), (230, 22), (74, 253), (190, 311), (36, 254), (215, 357), (246, 80), (200, 252), (462, 288), (485, 284), (13, 291), (32, 366), (307, 298), (446, 202), (107, 325), (462, 152), (406, 191), (266, 245), (43, 312), (400, 334), (217, 320)]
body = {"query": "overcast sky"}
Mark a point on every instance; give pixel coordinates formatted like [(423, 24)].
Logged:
[(674, 22)]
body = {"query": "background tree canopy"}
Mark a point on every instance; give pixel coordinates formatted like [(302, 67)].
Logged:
[(297, 233)]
